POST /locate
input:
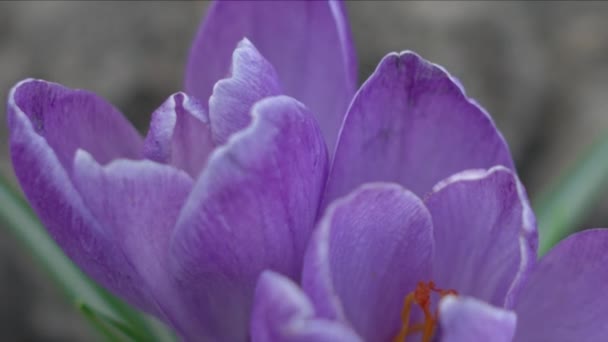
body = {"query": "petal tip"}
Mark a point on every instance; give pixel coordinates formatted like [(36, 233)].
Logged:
[(82, 157), (472, 175), (245, 43), (416, 68), (13, 102), (455, 308)]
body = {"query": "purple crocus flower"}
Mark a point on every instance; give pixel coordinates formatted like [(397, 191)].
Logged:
[(234, 172), (457, 266), (228, 181)]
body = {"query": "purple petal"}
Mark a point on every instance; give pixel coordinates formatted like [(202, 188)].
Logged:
[(283, 313), (137, 203), (308, 42), (252, 209), (72, 119), (485, 234), (253, 79), (36, 110), (369, 251), (465, 319), (565, 296), (179, 134), (412, 124)]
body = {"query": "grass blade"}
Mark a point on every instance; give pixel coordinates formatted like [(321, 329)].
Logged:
[(560, 209), (16, 215)]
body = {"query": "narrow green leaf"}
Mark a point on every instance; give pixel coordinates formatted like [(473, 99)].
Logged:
[(109, 332), (108, 325), (16, 214), (560, 209)]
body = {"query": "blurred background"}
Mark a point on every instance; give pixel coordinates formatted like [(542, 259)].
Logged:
[(540, 68)]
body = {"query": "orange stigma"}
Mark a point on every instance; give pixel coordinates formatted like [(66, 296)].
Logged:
[(421, 296)]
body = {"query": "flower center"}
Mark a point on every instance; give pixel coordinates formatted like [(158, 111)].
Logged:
[(421, 297)]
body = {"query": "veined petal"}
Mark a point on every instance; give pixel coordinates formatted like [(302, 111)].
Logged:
[(411, 123), (75, 119), (253, 208), (39, 115), (485, 234), (565, 298), (283, 313), (180, 134), (464, 319), (308, 42), (252, 79), (138, 203), (369, 251)]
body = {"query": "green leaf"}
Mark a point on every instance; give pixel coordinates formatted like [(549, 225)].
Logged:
[(107, 328), (560, 209), (111, 329), (16, 214)]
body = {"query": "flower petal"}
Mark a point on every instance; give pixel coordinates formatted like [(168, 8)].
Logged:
[(412, 124), (485, 234), (72, 119), (252, 209), (308, 42), (138, 203), (565, 296), (36, 109), (369, 251), (252, 79), (465, 319), (283, 313), (179, 134)]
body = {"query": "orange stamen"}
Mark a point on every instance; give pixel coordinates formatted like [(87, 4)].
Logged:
[(421, 296)]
